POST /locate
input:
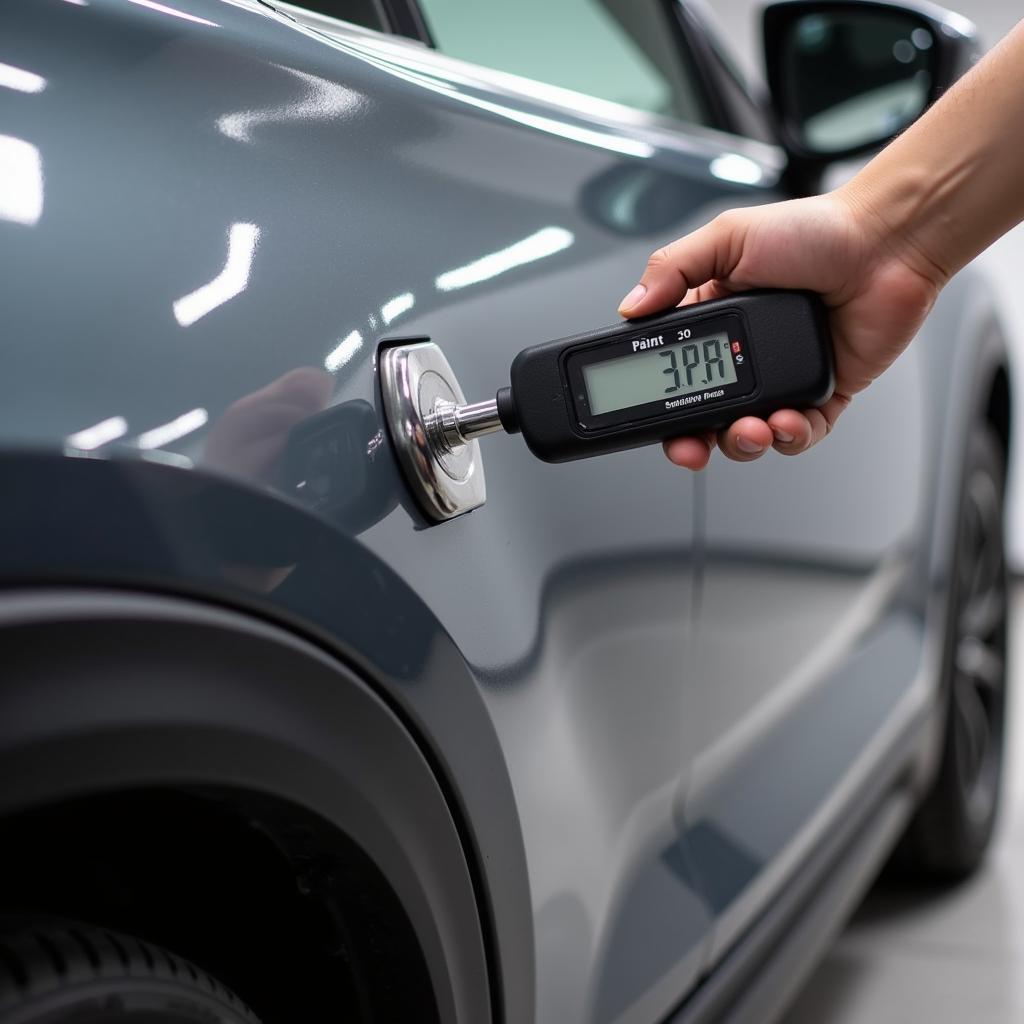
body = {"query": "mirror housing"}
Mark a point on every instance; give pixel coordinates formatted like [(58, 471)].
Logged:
[(847, 76)]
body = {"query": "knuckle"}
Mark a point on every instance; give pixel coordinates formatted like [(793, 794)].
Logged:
[(660, 258), (727, 220)]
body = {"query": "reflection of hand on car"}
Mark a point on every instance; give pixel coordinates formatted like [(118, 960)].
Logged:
[(878, 250), (250, 437)]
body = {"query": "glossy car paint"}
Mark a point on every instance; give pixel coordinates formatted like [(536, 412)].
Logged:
[(656, 692)]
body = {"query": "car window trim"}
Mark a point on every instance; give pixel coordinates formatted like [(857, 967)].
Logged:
[(659, 131), (406, 19), (712, 66), (401, 18), (705, 44)]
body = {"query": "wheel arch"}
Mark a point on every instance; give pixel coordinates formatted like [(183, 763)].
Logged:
[(968, 383), (999, 407), (199, 543), (239, 744)]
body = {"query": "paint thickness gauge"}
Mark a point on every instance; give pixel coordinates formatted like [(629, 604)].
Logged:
[(688, 371)]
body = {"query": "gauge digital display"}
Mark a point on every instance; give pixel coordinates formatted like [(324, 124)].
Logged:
[(660, 369), (697, 360)]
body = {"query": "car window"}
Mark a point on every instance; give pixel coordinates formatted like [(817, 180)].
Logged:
[(628, 51), (747, 118), (367, 13)]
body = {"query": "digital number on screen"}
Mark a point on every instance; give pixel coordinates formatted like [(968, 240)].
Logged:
[(659, 371)]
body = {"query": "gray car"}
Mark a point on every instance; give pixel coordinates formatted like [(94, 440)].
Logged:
[(284, 738)]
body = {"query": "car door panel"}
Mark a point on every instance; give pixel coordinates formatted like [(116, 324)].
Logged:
[(569, 594), (807, 650)]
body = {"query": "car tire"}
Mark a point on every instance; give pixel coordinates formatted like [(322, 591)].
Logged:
[(52, 973), (951, 831)]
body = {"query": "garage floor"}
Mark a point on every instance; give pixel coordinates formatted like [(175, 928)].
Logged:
[(956, 957)]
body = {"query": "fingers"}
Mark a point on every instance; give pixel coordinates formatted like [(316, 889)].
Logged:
[(747, 439), (792, 431), (788, 431), (690, 452), (706, 292), (706, 254)]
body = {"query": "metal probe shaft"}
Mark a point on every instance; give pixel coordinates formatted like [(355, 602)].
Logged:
[(455, 425), (477, 419)]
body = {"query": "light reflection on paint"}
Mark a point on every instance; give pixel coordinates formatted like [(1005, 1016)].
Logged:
[(20, 79), (101, 433), (231, 281), (173, 12), (349, 346), (21, 181), (740, 169), (323, 100), (164, 458), (545, 242), (255, 6), (374, 445), (588, 136), (184, 424), (394, 308)]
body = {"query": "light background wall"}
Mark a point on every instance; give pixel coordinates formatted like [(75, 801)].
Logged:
[(740, 21)]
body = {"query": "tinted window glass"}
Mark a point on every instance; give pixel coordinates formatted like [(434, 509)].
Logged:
[(622, 50)]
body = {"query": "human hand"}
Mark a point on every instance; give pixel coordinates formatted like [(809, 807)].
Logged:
[(877, 287)]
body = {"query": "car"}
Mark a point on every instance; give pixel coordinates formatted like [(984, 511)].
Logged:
[(296, 727)]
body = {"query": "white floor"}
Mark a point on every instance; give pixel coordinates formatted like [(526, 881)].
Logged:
[(959, 957)]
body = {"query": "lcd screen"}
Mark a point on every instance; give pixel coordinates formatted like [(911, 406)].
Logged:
[(660, 373)]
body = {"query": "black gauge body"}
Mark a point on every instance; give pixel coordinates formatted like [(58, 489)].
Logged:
[(689, 371)]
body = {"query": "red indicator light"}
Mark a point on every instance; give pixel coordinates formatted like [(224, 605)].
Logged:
[(735, 346)]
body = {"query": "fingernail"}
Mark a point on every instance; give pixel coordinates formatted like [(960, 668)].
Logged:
[(633, 297), (783, 436), (746, 445)]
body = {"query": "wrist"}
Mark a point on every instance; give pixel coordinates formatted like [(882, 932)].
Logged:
[(899, 213)]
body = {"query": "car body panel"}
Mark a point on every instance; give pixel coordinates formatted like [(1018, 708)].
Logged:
[(249, 262), (801, 628), (230, 208)]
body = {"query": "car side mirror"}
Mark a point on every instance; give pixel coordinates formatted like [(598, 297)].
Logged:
[(846, 76)]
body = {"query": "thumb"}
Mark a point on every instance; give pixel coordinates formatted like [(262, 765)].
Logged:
[(707, 254)]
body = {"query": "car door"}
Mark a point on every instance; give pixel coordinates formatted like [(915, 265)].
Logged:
[(569, 592), (808, 652), (808, 655)]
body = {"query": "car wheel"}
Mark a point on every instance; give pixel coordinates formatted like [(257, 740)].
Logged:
[(52, 973), (951, 831)]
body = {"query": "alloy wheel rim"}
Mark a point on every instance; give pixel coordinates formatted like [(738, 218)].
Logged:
[(980, 648)]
